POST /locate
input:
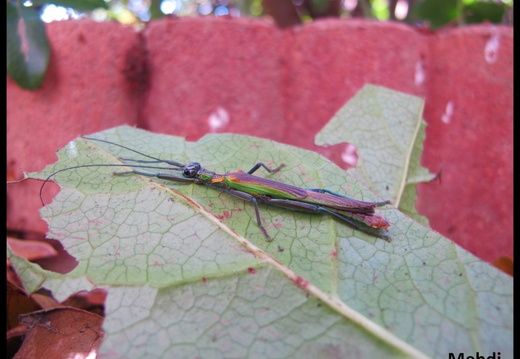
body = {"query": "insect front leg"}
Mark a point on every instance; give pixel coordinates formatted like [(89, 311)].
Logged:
[(260, 164), (140, 161), (164, 176)]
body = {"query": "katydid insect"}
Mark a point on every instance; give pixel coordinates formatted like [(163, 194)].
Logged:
[(244, 185)]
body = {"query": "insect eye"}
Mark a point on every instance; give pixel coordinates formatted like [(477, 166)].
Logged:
[(191, 170), (189, 173)]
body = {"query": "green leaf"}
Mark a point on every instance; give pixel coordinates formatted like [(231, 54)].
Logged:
[(27, 46), (480, 11), (155, 9), (188, 272), (79, 5), (388, 131), (415, 175), (438, 12)]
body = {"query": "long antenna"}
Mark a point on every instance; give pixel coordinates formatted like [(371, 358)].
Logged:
[(173, 163), (180, 166), (100, 165)]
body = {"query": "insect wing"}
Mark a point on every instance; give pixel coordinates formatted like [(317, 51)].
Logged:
[(340, 202), (261, 186)]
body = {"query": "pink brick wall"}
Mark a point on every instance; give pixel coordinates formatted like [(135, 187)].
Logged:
[(283, 85)]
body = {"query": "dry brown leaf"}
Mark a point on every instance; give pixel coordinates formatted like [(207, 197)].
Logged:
[(64, 332)]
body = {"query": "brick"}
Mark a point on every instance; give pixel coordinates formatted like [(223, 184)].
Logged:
[(85, 90), (192, 76)]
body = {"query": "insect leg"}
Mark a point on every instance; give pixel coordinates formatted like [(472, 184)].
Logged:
[(356, 225), (307, 207), (260, 164), (251, 198), (165, 176), (139, 161), (321, 190)]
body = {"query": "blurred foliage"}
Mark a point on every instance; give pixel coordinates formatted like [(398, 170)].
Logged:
[(27, 46), (28, 49), (439, 13), (433, 13)]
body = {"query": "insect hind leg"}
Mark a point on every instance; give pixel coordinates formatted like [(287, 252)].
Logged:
[(355, 224), (321, 190), (307, 207)]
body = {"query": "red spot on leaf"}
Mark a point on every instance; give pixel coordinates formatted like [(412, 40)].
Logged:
[(251, 270), (204, 280), (97, 222), (278, 225), (225, 215), (56, 234), (301, 283)]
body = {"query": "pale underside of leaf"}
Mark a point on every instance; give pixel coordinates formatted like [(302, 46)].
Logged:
[(172, 242), (387, 129)]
